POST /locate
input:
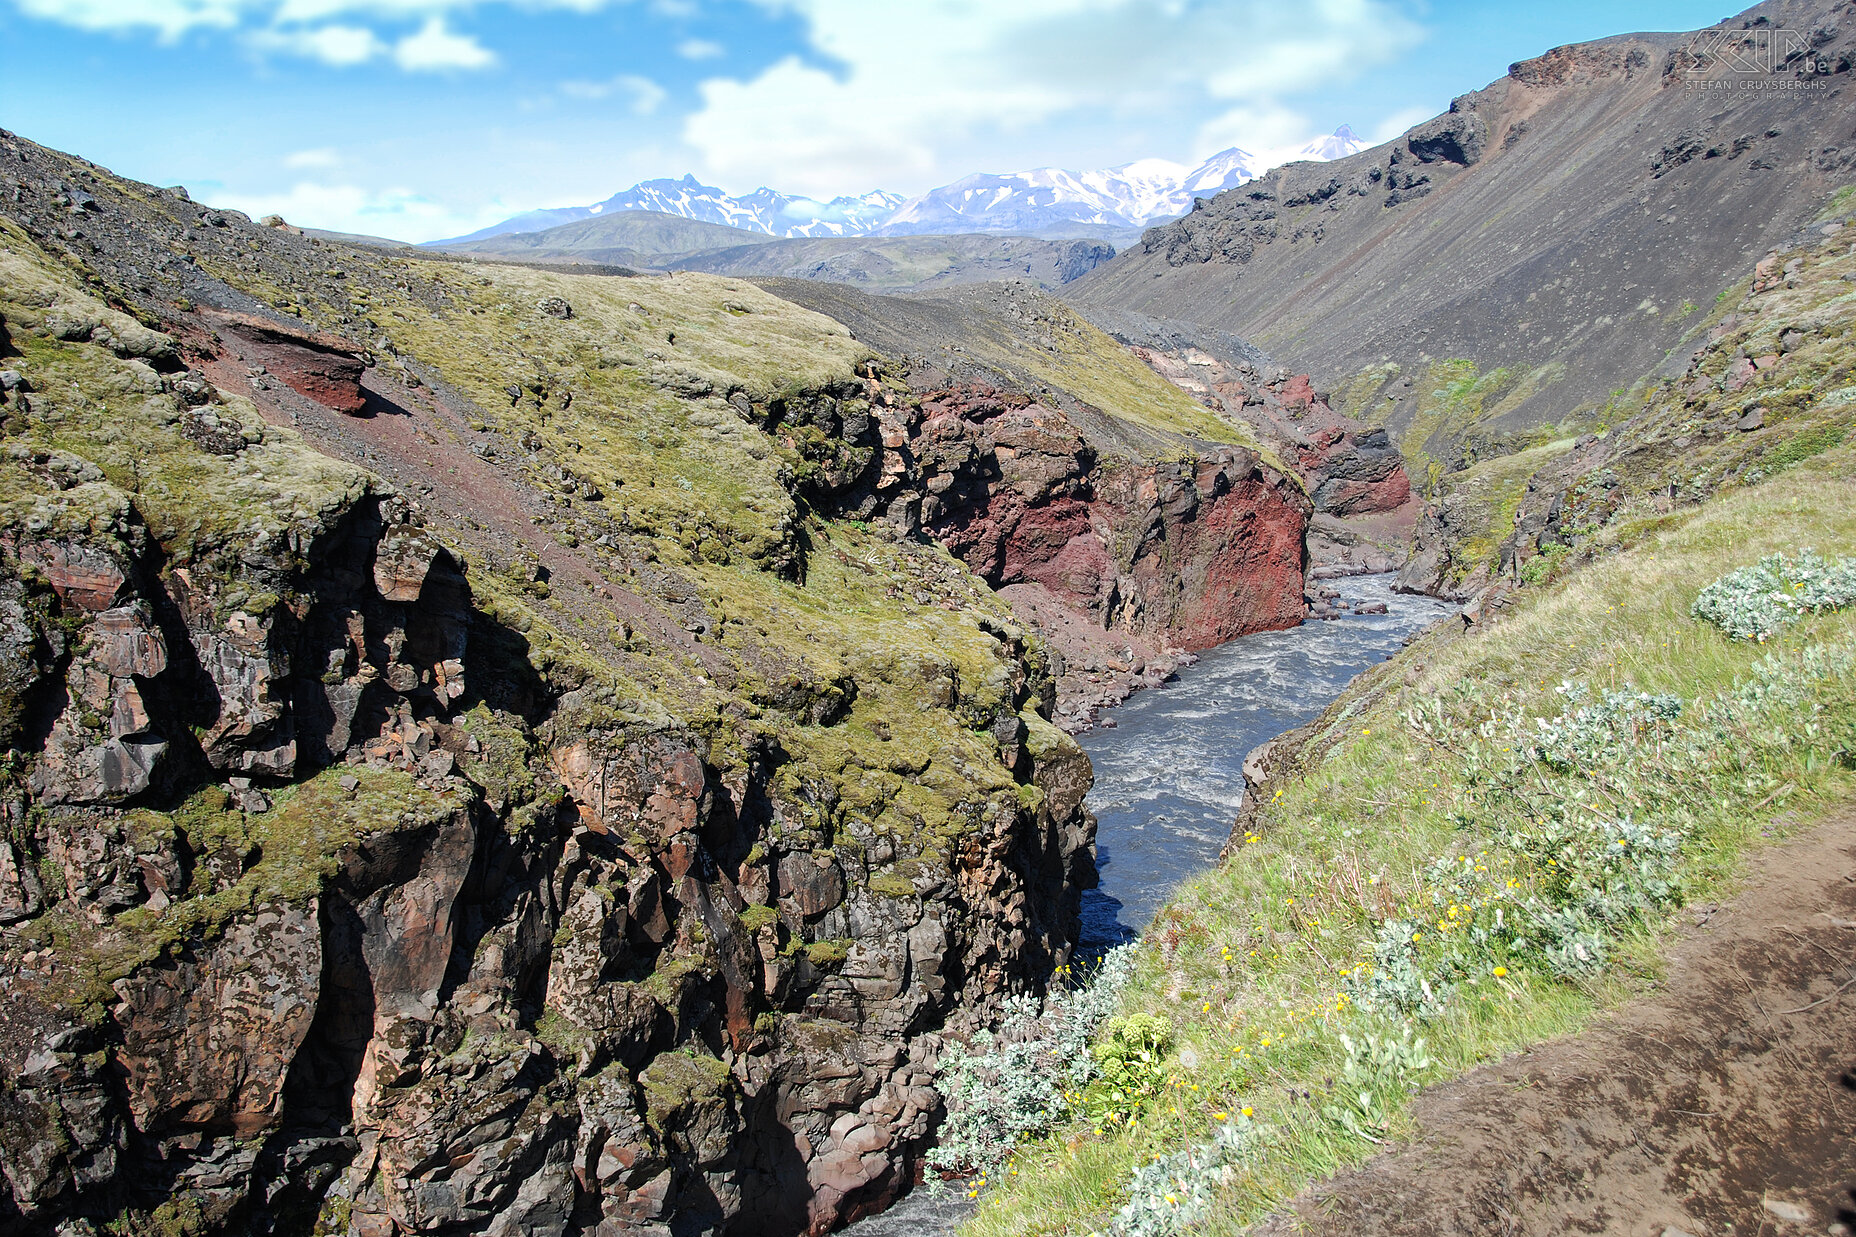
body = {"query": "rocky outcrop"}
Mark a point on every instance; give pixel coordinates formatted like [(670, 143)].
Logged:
[(1128, 534), (1116, 560), (389, 873), (1193, 552), (1354, 476), (324, 368)]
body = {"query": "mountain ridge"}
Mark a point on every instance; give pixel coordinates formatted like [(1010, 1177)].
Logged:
[(1525, 259), (1052, 201)]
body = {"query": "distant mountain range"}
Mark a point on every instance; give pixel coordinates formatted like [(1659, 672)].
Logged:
[(1048, 202)]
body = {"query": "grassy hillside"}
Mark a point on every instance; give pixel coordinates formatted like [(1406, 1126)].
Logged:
[(1770, 381), (1476, 849)]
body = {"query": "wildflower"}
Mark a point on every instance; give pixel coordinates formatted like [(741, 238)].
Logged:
[(1246, 1112), (1501, 972)]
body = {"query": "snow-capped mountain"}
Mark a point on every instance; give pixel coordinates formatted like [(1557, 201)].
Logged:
[(1043, 201), (764, 210), (1337, 145), (1132, 196)]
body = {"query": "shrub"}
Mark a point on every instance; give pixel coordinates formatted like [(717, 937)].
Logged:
[(1754, 602), (1378, 1067), (1588, 735), (1540, 568), (1022, 1078), (1169, 1195), (1130, 1055)]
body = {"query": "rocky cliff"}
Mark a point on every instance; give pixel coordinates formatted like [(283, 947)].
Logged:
[(1130, 540), (1525, 259), (1364, 508), (497, 751), (457, 778)]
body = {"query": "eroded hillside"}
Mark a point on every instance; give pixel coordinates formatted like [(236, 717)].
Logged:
[(1532, 254)]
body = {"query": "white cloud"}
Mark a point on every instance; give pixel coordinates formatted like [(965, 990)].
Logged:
[(700, 49), (342, 46), (982, 74), (1396, 124), (434, 49), (174, 17), (400, 214), (169, 18), (321, 157), (1257, 127), (646, 95)]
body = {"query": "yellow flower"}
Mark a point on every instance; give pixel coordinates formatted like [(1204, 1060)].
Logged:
[(1501, 972), (1246, 1112)]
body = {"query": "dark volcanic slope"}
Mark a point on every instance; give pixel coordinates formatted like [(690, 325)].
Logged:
[(1568, 226)]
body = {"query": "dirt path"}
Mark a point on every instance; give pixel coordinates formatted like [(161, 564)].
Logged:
[(1725, 1103)]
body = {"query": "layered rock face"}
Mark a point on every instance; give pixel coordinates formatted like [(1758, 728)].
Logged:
[(1130, 543), (1355, 478), (1193, 552), (574, 821)]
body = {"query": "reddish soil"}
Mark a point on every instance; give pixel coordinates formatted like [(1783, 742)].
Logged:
[(1724, 1103), (419, 441)]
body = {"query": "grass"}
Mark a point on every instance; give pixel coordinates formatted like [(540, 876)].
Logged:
[(1254, 963), (98, 407)]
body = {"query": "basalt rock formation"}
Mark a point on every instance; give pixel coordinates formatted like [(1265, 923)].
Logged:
[(521, 808), (497, 751), (1543, 246), (1130, 541)]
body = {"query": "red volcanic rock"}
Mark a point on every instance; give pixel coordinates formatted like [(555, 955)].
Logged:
[(1191, 552), (83, 576), (324, 368)]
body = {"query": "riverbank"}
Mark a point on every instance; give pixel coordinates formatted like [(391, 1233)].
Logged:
[(1169, 771), (1169, 779), (1469, 861)]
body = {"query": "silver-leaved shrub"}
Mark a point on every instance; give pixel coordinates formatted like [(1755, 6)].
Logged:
[(1754, 602)]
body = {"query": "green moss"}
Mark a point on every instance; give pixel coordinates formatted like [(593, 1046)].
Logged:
[(286, 855), (890, 885), (828, 954), (561, 1034), (1802, 446), (754, 918), (676, 1083)]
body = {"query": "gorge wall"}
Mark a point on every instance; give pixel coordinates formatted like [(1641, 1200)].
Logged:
[(496, 751)]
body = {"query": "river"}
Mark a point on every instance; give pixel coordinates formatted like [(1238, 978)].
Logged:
[(1169, 775)]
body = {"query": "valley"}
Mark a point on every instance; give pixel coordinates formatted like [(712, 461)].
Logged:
[(694, 714)]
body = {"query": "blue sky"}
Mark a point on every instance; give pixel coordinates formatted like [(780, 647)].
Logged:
[(426, 118)]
